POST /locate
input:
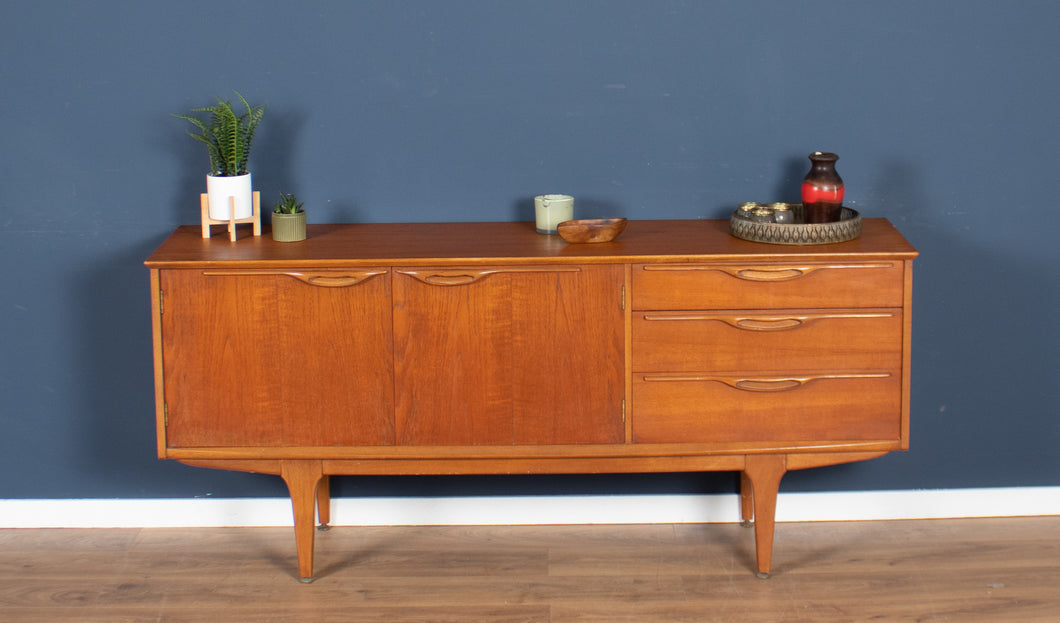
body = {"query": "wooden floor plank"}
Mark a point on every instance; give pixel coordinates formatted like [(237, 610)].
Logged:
[(969, 570)]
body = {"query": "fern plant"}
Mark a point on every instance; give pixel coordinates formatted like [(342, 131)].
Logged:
[(227, 136), (288, 204)]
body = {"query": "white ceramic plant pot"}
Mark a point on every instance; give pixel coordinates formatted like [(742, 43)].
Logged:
[(219, 189)]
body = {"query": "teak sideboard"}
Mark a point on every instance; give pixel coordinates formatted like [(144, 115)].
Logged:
[(487, 348)]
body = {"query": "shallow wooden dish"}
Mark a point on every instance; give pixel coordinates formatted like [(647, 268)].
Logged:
[(591, 230)]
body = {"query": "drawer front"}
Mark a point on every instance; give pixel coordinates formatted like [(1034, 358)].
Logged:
[(842, 339), (703, 409), (769, 286)]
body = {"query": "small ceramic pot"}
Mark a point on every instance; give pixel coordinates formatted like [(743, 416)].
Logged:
[(288, 227)]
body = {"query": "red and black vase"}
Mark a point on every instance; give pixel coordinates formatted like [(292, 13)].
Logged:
[(822, 190)]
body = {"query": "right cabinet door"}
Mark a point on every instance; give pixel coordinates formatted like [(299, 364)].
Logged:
[(509, 355), (767, 352)]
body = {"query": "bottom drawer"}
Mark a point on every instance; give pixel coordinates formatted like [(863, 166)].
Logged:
[(690, 408)]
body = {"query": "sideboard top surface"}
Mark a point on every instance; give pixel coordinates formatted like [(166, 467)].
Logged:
[(424, 244)]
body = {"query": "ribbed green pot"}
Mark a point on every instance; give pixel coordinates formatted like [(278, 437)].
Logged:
[(288, 227)]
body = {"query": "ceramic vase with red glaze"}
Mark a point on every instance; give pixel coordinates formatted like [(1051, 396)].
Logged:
[(822, 190)]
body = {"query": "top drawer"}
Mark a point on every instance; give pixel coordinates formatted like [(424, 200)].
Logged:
[(767, 286)]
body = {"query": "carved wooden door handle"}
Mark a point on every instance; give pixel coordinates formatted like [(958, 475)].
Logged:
[(459, 277), (451, 280), (337, 281), (313, 278)]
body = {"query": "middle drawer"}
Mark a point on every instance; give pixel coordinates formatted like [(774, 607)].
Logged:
[(834, 339)]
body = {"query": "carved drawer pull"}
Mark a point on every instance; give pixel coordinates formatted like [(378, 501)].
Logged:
[(761, 324), (774, 274), (740, 322), (760, 384), (324, 280), (461, 277), (788, 273), (783, 322), (779, 385)]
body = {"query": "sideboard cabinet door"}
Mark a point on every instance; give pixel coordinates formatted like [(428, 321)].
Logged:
[(260, 358), (509, 355)]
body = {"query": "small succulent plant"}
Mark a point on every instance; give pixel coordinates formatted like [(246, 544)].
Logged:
[(288, 204)]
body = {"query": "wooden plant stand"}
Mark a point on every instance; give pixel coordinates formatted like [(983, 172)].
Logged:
[(231, 221)]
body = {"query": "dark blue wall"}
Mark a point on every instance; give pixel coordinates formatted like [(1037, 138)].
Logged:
[(945, 115)]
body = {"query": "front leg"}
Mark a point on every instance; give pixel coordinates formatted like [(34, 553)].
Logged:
[(303, 478), (764, 472)]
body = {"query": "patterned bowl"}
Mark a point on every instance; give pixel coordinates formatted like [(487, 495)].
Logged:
[(846, 228)]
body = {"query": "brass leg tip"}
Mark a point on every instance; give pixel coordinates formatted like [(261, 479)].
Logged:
[(747, 523), (323, 527), (306, 580), (762, 576)]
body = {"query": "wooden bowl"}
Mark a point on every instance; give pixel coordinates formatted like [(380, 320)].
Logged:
[(591, 230)]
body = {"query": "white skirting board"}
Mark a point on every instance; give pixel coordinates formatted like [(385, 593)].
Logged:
[(526, 510)]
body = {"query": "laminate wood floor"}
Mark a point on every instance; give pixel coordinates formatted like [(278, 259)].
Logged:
[(972, 570)]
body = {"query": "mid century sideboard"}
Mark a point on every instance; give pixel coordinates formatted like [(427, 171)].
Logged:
[(486, 348)]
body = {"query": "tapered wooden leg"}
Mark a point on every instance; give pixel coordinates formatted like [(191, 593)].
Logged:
[(747, 503), (764, 472), (324, 503), (303, 478)]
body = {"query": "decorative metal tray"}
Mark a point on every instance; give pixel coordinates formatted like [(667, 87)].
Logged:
[(846, 228)]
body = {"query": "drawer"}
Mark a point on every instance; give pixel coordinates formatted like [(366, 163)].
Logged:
[(841, 339), (771, 286), (704, 408)]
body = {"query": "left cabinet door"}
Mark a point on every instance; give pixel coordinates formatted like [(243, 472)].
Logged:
[(277, 358)]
